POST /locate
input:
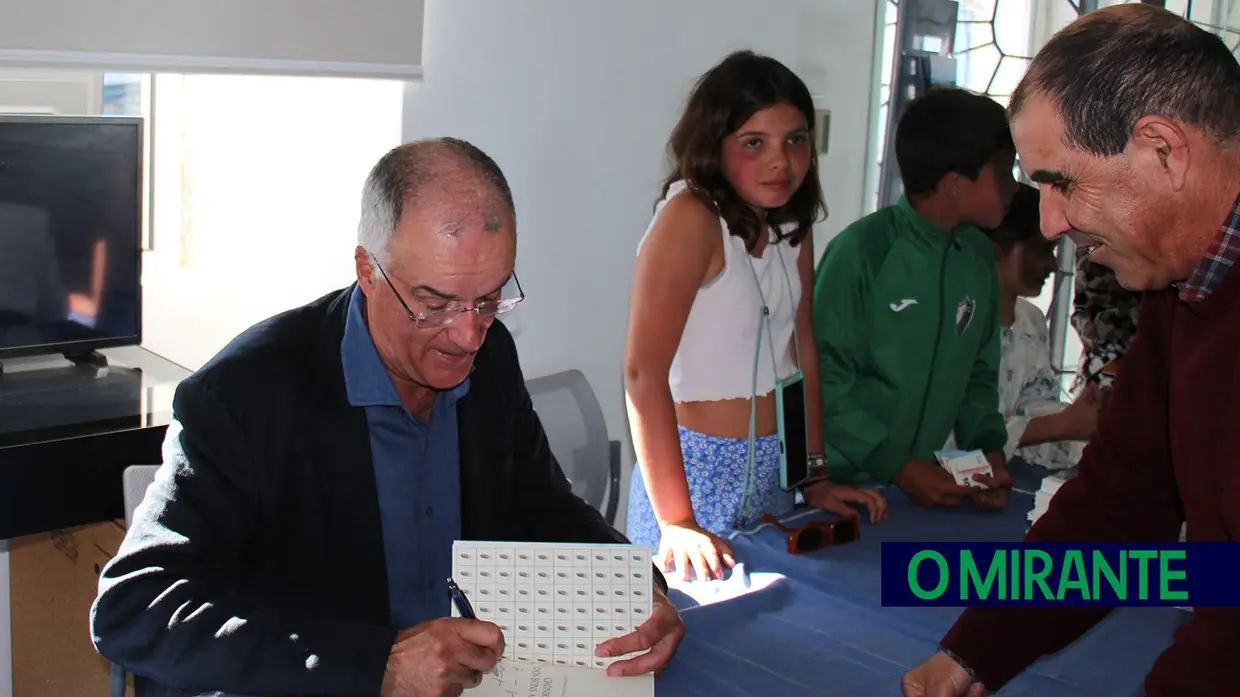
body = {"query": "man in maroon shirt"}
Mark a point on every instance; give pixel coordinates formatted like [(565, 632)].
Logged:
[(1129, 121)]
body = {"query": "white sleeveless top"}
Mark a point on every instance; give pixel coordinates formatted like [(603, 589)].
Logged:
[(715, 359)]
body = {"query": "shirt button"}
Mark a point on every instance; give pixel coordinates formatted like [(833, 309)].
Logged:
[(430, 511)]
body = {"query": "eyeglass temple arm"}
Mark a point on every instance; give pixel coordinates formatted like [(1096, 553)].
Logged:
[(772, 520)]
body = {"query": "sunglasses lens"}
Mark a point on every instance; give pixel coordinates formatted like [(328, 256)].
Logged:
[(845, 531), (809, 539)]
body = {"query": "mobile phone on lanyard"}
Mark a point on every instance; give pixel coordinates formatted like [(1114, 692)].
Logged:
[(793, 431)]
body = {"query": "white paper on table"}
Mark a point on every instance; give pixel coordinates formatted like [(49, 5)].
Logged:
[(515, 679)]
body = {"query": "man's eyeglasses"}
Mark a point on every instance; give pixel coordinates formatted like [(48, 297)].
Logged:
[(816, 534), (444, 316)]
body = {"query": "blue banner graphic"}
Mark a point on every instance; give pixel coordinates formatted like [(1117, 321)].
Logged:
[(985, 573)]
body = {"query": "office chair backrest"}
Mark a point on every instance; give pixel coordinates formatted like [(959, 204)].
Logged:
[(574, 423), (135, 481)]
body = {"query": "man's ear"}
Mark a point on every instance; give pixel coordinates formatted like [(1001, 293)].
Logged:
[(365, 269), (1160, 142)]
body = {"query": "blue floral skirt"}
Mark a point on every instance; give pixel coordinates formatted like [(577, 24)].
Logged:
[(716, 471)]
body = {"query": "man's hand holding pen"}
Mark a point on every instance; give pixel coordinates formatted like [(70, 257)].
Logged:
[(441, 657), (445, 657)]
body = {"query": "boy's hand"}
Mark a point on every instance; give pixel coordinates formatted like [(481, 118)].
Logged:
[(999, 484), (835, 498), (930, 485)]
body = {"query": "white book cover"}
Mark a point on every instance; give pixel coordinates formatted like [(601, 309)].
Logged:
[(1052, 482), (1050, 486), (963, 465)]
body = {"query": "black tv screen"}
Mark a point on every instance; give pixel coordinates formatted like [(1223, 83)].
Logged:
[(70, 234)]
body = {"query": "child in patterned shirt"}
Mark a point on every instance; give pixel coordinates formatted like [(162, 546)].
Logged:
[(1042, 430), (1105, 317)]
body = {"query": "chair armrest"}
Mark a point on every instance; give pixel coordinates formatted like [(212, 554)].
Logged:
[(613, 483)]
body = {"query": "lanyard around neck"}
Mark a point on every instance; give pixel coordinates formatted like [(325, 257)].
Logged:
[(764, 320)]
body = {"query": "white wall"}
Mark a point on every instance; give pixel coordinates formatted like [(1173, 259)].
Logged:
[(836, 59), (575, 100)]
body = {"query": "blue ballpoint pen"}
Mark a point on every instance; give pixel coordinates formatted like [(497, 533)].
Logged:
[(463, 606), (460, 600)]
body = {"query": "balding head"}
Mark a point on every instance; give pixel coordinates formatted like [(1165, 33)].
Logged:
[(437, 239), (1112, 67), (446, 179)]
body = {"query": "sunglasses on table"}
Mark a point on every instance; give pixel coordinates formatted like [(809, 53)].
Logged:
[(816, 534)]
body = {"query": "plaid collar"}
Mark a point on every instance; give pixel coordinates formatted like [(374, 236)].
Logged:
[(1223, 254)]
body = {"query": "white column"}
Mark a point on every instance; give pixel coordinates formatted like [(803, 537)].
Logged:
[(1224, 13), (1048, 18)]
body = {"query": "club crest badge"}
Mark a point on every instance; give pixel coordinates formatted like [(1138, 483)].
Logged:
[(964, 314)]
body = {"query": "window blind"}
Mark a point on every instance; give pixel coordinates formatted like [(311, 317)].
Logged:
[(376, 38)]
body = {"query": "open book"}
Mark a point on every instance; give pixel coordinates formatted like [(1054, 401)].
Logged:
[(555, 603), (518, 679)]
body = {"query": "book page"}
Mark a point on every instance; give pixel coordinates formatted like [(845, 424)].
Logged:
[(514, 679)]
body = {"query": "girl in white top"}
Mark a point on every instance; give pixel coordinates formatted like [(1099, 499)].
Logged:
[(1042, 430), (731, 235)]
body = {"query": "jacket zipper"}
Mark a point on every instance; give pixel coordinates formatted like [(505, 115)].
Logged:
[(938, 336)]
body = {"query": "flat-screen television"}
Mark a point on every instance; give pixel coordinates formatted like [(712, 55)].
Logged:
[(70, 234)]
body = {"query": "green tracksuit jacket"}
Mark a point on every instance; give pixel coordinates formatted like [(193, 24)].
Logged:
[(906, 318)]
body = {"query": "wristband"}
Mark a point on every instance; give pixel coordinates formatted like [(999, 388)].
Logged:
[(960, 662), (817, 468)]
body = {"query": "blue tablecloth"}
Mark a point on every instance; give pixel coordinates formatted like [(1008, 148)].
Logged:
[(817, 626)]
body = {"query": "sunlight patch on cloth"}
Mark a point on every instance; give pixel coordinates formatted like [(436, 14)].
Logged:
[(737, 584), (232, 626)]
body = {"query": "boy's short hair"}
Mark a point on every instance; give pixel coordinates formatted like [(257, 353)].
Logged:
[(1022, 222), (946, 130)]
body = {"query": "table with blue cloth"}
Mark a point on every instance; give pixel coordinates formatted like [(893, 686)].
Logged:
[(813, 624)]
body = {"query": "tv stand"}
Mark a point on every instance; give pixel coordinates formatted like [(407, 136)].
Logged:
[(81, 360), (88, 359), (65, 437)]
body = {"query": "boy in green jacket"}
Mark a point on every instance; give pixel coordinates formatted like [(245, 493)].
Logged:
[(906, 309)]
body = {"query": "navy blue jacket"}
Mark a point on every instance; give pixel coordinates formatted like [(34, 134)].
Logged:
[(256, 563)]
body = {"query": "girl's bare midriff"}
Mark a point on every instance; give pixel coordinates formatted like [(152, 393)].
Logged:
[(728, 418)]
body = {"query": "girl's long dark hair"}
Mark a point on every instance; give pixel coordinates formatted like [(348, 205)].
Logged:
[(722, 100)]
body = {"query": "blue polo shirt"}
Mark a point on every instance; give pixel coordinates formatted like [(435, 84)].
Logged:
[(417, 472)]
